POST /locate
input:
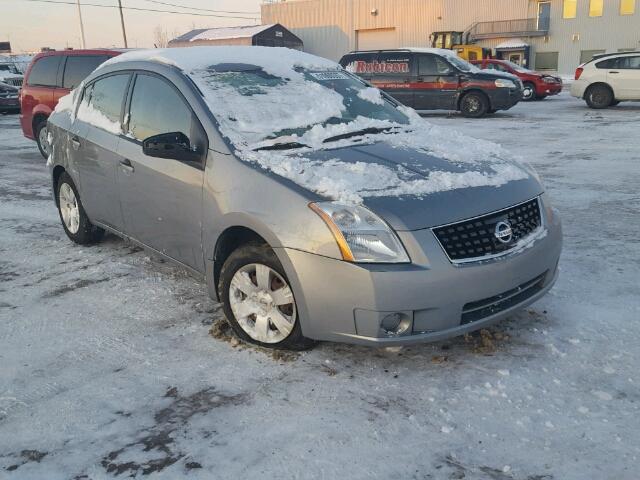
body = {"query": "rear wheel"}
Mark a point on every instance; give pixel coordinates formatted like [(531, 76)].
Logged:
[(599, 96), (258, 300), (41, 133), (74, 219), (474, 105), (528, 92), (615, 102)]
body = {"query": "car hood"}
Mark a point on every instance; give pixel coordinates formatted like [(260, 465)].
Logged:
[(412, 212), (486, 75)]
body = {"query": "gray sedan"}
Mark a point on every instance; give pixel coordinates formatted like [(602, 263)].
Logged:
[(315, 206)]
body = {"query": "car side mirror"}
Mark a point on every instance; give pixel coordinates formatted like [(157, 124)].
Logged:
[(174, 145)]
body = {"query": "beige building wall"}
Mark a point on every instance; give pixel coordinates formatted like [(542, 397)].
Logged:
[(330, 28), (569, 37)]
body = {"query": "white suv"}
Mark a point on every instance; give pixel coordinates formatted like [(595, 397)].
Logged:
[(608, 79)]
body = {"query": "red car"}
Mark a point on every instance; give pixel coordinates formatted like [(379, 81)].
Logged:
[(52, 75), (537, 86)]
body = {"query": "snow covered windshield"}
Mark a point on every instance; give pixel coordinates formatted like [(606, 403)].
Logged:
[(259, 109)]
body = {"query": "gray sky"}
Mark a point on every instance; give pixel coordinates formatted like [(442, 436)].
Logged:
[(30, 25)]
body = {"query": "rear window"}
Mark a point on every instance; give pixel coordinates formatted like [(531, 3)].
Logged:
[(78, 67), (44, 72), (623, 63)]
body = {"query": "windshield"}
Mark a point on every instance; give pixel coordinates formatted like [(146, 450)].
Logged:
[(517, 67), (461, 64), (254, 107)]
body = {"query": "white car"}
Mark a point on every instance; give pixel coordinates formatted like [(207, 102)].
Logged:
[(608, 79)]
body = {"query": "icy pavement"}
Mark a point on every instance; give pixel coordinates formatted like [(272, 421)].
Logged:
[(107, 367)]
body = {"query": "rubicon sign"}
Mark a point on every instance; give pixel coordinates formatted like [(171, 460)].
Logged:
[(360, 66)]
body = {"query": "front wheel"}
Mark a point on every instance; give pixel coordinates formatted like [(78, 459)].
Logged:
[(258, 300), (528, 92), (599, 96), (74, 219), (474, 105)]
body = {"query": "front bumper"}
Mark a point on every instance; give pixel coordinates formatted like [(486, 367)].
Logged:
[(547, 89), (9, 104), (346, 302), (504, 98)]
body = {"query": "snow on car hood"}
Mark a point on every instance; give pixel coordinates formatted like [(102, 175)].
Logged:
[(248, 114)]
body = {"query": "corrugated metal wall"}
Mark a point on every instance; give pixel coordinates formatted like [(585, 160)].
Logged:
[(329, 27)]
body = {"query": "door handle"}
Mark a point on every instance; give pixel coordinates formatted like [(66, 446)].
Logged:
[(614, 71), (126, 166), (75, 143)]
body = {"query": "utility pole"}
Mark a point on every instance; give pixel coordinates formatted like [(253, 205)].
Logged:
[(81, 26), (124, 34)]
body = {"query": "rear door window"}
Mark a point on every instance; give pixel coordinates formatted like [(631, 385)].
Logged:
[(78, 67), (44, 72), (156, 107)]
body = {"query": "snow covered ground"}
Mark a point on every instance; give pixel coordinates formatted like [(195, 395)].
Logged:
[(107, 367)]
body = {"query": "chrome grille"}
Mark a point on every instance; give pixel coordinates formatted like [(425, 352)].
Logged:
[(475, 239)]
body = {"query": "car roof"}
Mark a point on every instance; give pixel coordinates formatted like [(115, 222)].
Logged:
[(598, 56), (86, 51), (437, 51)]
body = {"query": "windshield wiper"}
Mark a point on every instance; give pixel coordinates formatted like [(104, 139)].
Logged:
[(357, 133), (282, 146)]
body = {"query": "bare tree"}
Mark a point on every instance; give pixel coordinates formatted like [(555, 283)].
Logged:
[(160, 37)]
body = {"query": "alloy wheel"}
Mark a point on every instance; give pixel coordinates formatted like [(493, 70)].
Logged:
[(69, 208), (527, 92), (262, 303)]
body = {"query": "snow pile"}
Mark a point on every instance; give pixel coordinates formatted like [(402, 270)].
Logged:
[(351, 182), (371, 95), (87, 113), (230, 32), (287, 104)]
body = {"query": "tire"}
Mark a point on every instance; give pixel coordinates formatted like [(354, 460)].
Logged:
[(528, 92), (614, 103), (74, 219), (248, 280), (599, 96), (41, 132), (474, 105)]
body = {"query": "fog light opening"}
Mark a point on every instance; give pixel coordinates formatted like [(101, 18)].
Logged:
[(395, 324)]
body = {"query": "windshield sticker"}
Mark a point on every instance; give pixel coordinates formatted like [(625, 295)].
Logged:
[(326, 76)]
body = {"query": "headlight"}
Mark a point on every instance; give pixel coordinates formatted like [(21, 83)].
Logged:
[(504, 83), (361, 235), (549, 80)]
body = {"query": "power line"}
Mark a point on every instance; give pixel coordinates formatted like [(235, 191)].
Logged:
[(139, 9), (197, 8)]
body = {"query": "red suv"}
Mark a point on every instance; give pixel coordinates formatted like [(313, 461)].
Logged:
[(52, 75), (537, 86)]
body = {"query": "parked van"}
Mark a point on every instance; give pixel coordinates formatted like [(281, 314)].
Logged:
[(50, 76), (435, 79)]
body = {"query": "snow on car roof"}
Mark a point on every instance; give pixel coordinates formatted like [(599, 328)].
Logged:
[(277, 61)]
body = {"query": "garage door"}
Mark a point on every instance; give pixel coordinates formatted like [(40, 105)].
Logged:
[(377, 38)]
